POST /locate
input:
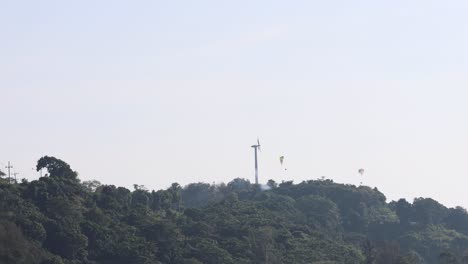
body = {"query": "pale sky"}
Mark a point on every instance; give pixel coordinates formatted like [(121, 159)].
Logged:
[(155, 92)]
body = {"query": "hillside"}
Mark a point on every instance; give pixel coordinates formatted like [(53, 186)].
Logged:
[(58, 219)]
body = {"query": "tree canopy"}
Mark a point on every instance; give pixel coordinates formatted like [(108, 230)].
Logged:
[(56, 219)]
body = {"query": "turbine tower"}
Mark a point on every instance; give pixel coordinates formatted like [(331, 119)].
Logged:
[(256, 147)]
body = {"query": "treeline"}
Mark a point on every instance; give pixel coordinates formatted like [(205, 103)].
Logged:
[(59, 220)]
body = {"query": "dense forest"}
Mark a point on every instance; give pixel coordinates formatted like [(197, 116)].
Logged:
[(59, 219)]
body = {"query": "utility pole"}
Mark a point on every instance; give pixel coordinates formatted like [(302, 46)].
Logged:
[(14, 174), (9, 167)]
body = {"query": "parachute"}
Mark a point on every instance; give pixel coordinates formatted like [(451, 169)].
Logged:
[(281, 158), (361, 171)]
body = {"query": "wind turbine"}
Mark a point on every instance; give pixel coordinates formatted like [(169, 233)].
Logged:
[(255, 147)]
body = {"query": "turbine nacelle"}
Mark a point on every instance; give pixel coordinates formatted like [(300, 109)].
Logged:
[(257, 146)]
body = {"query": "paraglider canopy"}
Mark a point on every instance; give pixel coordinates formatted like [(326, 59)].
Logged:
[(361, 171), (281, 158)]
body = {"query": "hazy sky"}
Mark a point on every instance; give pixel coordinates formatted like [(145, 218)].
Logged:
[(155, 92)]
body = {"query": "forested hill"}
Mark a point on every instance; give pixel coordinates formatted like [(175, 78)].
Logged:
[(58, 219)]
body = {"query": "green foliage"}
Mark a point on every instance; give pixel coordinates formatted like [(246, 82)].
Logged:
[(58, 220), (15, 248), (320, 212), (91, 186), (55, 167)]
